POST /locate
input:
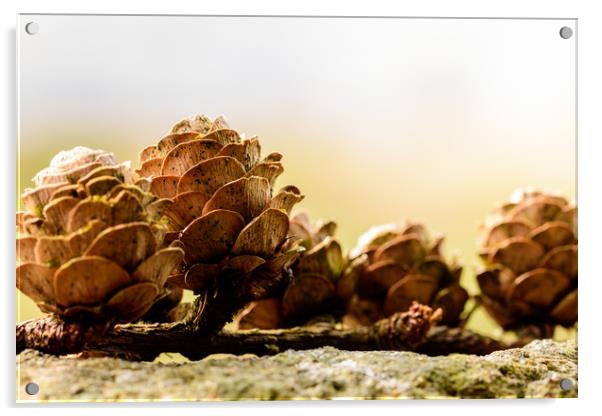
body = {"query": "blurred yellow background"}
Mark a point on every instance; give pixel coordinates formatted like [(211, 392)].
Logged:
[(432, 120)]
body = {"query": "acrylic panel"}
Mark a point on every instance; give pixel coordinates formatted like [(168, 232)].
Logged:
[(379, 136)]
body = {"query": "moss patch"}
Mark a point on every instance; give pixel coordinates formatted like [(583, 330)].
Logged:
[(324, 373)]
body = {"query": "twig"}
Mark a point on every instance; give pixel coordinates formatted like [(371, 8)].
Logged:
[(409, 331), (442, 340)]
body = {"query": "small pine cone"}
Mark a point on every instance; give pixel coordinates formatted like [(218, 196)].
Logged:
[(529, 247), (395, 265), (216, 197), (88, 248), (312, 290)]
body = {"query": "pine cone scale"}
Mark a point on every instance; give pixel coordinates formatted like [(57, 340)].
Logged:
[(210, 175), (88, 281), (411, 288), (211, 236), (187, 155)]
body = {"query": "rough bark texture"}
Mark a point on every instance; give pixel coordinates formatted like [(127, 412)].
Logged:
[(533, 371)]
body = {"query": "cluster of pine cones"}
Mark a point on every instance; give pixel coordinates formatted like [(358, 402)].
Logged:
[(102, 242)]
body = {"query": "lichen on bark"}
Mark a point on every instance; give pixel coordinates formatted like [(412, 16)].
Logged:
[(324, 373)]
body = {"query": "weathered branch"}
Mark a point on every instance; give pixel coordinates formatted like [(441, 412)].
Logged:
[(409, 331), (211, 310), (442, 340)]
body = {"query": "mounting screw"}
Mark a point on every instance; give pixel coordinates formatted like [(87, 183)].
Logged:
[(566, 32), (566, 384), (32, 389), (32, 28)]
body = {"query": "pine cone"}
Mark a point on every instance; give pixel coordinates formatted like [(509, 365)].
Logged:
[(395, 265), (529, 247), (88, 248), (313, 287), (218, 202)]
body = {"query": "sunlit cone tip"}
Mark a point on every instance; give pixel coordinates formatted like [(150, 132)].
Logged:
[(70, 165)]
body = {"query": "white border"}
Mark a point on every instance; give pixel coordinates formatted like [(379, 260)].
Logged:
[(590, 191)]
